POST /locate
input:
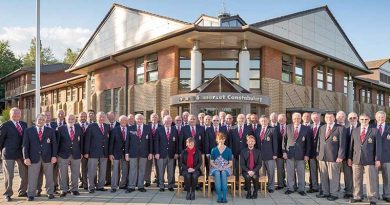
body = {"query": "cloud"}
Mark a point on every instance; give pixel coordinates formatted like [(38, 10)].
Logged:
[(57, 38)]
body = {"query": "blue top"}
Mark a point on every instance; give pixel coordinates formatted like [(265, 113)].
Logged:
[(221, 159)]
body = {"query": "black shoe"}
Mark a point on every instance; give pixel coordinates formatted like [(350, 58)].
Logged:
[(50, 196), (75, 193), (63, 194), (101, 189), (92, 191), (288, 192), (162, 189), (30, 198), (22, 195), (248, 195), (107, 184), (348, 196), (312, 191), (142, 189), (113, 190), (81, 186), (188, 196), (355, 200), (129, 190), (7, 198), (192, 196), (322, 196), (302, 193), (39, 194), (122, 187), (147, 184), (332, 198), (254, 195), (386, 199), (270, 191), (279, 188), (85, 188), (171, 189), (372, 203)]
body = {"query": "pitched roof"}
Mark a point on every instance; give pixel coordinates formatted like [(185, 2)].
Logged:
[(52, 68), (375, 64)]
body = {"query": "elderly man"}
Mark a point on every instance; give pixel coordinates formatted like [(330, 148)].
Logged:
[(306, 119), (70, 143), (153, 162), (296, 150), (273, 117), (192, 130), (228, 123), (207, 121), (185, 116), (113, 123), (91, 116), (201, 119), (222, 116), (248, 121), (254, 122), (96, 151), (11, 139), (40, 149), (340, 118), (83, 116), (131, 120), (313, 162), (211, 134), (60, 121), (348, 178), (280, 133), (116, 153), (166, 152)]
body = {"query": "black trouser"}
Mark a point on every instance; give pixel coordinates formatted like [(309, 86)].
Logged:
[(254, 179), (190, 180)]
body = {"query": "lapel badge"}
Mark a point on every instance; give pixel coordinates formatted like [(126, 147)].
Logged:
[(48, 141), (388, 136), (370, 140), (147, 136), (268, 139), (335, 139), (200, 137), (303, 138), (174, 139), (78, 138)]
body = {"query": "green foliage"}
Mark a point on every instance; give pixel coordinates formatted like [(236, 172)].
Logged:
[(8, 61), (5, 115), (388, 117), (70, 56), (47, 56)]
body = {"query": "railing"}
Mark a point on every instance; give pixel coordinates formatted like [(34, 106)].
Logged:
[(19, 90)]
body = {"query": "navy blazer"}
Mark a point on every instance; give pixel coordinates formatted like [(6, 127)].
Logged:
[(386, 144), (139, 147), (153, 134), (334, 147), (348, 139), (96, 142), (299, 148), (199, 137), (117, 143), (314, 141), (235, 143), (34, 149), (164, 147), (210, 140), (279, 140), (11, 141), (369, 151), (269, 145), (244, 160), (54, 125), (66, 147)]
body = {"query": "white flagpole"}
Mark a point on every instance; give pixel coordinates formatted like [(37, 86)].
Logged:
[(38, 62)]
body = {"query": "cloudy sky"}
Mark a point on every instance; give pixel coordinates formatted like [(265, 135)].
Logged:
[(70, 23)]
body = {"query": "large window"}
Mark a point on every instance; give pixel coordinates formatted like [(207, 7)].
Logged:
[(380, 99), (184, 70), (254, 69), (152, 67), (320, 77), (384, 78), (220, 62), (140, 70), (287, 68), (116, 100), (299, 71), (345, 83), (107, 100), (329, 79)]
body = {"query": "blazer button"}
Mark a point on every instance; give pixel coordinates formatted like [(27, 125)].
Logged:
[(103, 146)]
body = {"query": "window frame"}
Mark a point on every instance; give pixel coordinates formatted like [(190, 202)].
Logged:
[(287, 68), (303, 71)]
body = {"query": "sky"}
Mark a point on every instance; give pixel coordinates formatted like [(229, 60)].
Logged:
[(70, 23)]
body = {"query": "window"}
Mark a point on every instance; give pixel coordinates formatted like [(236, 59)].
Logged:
[(384, 78), (368, 96), (231, 23), (329, 79), (287, 68), (220, 62), (152, 67), (184, 70), (68, 94), (116, 100), (299, 71), (33, 80), (345, 84), (365, 95), (320, 77), (380, 100), (107, 100), (255, 65), (140, 70)]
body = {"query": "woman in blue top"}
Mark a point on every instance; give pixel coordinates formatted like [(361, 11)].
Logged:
[(221, 164)]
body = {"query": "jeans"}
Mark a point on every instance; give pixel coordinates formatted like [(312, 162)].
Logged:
[(220, 179)]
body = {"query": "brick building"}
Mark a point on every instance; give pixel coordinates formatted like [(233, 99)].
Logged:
[(139, 62)]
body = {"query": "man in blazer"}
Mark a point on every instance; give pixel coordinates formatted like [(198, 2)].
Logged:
[(313, 162), (192, 130), (228, 123), (60, 121), (138, 150), (11, 139), (267, 144), (250, 163), (348, 178), (165, 147), (83, 124), (70, 143), (116, 153), (154, 125), (331, 152), (211, 133), (237, 140), (39, 149), (113, 123), (96, 151), (296, 150), (384, 132), (280, 132), (273, 117), (365, 156)]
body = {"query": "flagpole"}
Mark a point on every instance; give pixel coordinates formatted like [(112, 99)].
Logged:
[(37, 62)]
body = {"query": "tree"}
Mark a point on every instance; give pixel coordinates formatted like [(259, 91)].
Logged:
[(8, 61), (47, 56), (70, 56)]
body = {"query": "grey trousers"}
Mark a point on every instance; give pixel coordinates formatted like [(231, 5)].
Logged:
[(313, 165), (371, 182), (63, 165), (281, 172), (166, 164), (386, 180), (330, 177), (270, 166), (33, 173), (84, 172), (56, 175), (348, 180), (295, 166), (123, 166), (93, 164), (149, 169), (8, 169), (136, 172)]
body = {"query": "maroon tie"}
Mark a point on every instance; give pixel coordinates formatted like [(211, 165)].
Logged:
[(254, 128), (178, 129), (71, 134), (380, 129), (282, 131), (363, 135), (215, 131), (251, 160), (83, 126), (296, 133), (139, 134), (153, 130), (228, 128), (20, 130), (327, 133), (40, 133), (168, 134), (193, 131), (315, 131), (123, 134), (102, 128), (262, 134), (240, 132)]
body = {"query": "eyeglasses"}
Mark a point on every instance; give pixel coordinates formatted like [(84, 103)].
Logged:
[(363, 119), (215, 120), (352, 118)]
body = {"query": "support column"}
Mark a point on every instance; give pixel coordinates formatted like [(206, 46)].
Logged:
[(88, 92), (196, 66), (350, 94), (243, 66)]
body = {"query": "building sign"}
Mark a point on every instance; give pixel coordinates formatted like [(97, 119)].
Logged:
[(220, 97)]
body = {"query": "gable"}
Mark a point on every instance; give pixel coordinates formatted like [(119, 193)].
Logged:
[(315, 29), (123, 28)]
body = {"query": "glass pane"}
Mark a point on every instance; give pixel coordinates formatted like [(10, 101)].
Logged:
[(320, 84), (220, 64), (140, 79), (152, 57), (254, 64), (254, 74), (152, 66), (185, 63), (298, 80), (185, 73), (254, 83), (329, 86), (298, 71), (140, 70), (153, 76), (213, 73), (286, 77)]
